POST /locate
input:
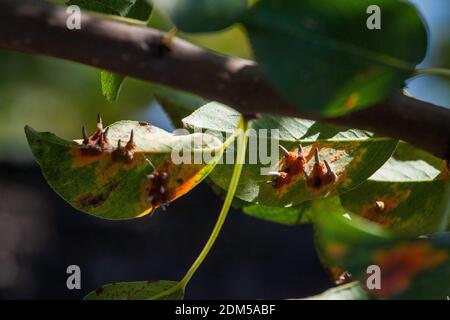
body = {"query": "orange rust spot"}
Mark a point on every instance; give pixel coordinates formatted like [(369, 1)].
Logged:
[(358, 157), (338, 275), (124, 154), (91, 148), (283, 179), (158, 193), (336, 250), (110, 168), (319, 177), (401, 263), (186, 185), (292, 164), (377, 211), (351, 101), (179, 181)]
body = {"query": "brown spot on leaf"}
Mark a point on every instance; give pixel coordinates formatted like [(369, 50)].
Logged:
[(336, 250), (95, 200), (99, 291), (351, 101), (378, 210), (402, 263), (291, 165), (122, 154), (319, 177)]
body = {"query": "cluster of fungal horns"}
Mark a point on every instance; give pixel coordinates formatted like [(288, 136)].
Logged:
[(294, 163), (98, 143), (157, 193)]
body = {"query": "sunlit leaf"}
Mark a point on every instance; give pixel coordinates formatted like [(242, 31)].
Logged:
[(138, 290), (406, 194), (113, 182), (406, 207), (322, 56), (353, 155)]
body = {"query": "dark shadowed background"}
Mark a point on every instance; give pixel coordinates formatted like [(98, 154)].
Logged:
[(40, 234)]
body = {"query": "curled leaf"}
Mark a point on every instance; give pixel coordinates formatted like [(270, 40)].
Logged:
[(125, 170)]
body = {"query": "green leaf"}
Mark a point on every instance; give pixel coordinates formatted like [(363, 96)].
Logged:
[(354, 155), (138, 290), (411, 164), (349, 291), (286, 216), (178, 105), (140, 11), (405, 207), (202, 15), (291, 216), (408, 265), (404, 195), (111, 84), (321, 56), (111, 182)]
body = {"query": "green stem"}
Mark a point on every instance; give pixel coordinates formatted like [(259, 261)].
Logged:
[(433, 71), (240, 158)]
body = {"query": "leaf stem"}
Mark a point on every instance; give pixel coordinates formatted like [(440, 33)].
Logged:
[(433, 71), (240, 158)]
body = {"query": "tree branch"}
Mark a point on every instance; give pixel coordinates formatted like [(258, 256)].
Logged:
[(39, 28)]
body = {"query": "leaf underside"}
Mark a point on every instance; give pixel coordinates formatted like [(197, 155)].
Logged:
[(115, 185)]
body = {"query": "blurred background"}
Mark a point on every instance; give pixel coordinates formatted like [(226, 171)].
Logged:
[(40, 234)]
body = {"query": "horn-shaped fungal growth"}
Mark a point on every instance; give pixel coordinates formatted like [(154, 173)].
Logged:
[(158, 194), (321, 174), (292, 164), (99, 122), (130, 144), (95, 144), (85, 135), (105, 134), (280, 178), (125, 154), (284, 150)]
